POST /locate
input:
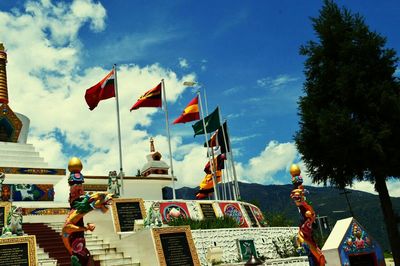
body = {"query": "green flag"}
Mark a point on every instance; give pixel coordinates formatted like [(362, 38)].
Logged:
[(211, 121)]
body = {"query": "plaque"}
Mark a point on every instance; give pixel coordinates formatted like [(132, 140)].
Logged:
[(175, 246), (251, 215), (246, 248), (125, 212), (208, 210), (4, 210), (18, 251), (362, 260)]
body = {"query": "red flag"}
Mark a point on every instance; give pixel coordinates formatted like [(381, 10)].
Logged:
[(190, 113), (151, 98), (103, 90)]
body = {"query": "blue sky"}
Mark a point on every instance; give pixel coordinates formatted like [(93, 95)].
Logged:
[(245, 54)]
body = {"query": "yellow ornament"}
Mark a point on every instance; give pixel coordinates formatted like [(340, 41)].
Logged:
[(295, 170), (75, 165)]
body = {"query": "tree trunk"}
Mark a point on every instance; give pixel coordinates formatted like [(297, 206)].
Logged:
[(389, 216)]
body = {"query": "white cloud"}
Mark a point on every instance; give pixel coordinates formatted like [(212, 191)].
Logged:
[(274, 158), (243, 138), (183, 63), (45, 84), (275, 83)]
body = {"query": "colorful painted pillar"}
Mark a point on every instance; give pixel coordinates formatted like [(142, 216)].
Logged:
[(305, 240), (76, 240)]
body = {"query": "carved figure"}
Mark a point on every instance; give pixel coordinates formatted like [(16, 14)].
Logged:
[(153, 217), (25, 190), (14, 223), (305, 239), (73, 229), (113, 185)]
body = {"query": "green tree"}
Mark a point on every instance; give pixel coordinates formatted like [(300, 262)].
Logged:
[(278, 220), (350, 113)]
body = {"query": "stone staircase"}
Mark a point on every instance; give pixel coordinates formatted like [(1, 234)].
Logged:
[(49, 241), (103, 253), (43, 258)]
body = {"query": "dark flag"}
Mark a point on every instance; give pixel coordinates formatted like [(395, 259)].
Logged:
[(217, 139), (212, 123)]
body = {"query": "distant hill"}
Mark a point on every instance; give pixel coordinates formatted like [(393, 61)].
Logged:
[(326, 201)]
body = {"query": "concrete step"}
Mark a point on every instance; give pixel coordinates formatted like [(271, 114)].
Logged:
[(48, 262), (11, 146), (20, 157), (115, 262), (93, 241), (31, 153), (118, 255), (103, 251), (91, 246), (23, 164)]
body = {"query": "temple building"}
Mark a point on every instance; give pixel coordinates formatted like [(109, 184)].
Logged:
[(147, 184)]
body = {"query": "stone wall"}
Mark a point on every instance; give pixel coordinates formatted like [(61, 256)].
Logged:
[(226, 239)]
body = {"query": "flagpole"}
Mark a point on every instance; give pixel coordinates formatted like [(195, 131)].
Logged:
[(223, 176), (121, 172), (233, 167), (230, 183), (169, 139), (208, 146), (212, 151)]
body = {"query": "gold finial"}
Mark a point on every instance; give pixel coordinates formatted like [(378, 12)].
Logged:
[(295, 170), (152, 149), (75, 165), (3, 75)]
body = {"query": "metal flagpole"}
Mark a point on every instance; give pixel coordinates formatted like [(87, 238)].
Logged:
[(208, 147), (169, 139), (121, 171), (230, 183), (233, 166), (227, 159), (232, 188), (212, 150), (223, 176)]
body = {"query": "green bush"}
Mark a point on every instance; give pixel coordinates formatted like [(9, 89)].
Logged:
[(215, 223)]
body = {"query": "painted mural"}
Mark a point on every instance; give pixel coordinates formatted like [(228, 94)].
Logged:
[(259, 216), (232, 209), (27, 192), (358, 245), (170, 210)]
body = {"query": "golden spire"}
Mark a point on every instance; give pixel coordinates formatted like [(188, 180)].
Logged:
[(152, 149), (3, 75)]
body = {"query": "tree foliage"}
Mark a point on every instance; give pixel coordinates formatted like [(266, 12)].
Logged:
[(350, 114), (278, 220)]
